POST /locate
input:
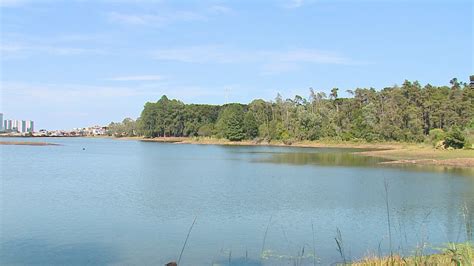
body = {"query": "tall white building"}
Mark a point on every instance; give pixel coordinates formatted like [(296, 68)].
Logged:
[(30, 126), (20, 126)]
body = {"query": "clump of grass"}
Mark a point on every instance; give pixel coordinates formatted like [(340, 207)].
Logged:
[(452, 254)]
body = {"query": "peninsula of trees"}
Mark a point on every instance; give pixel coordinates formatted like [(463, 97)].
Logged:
[(410, 113)]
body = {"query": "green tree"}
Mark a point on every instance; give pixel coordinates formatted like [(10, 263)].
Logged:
[(250, 126), (206, 130), (231, 123), (398, 113)]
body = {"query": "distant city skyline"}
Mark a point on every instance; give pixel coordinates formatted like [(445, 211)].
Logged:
[(20, 126), (67, 64)]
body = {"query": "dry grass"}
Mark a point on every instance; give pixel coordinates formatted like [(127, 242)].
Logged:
[(424, 155), (453, 254)]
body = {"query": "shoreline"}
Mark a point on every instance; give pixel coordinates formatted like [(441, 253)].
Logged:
[(395, 153)]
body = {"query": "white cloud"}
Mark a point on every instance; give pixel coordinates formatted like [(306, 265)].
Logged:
[(221, 54), (156, 20), (270, 61), (59, 95), (294, 3), (313, 56), (137, 78), (19, 50), (220, 9), (12, 3), (63, 93), (202, 54)]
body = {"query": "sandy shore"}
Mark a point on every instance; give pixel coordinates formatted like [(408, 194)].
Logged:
[(397, 153), (30, 143)]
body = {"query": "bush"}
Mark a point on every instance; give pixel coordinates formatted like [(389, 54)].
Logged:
[(469, 138), (436, 135), (454, 139)]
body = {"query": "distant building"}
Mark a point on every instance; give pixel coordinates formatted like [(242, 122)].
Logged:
[(7, 125), (30, 125), (1, 122), (20, 126)]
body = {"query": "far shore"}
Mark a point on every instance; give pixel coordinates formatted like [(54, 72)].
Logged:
[(395, 152)]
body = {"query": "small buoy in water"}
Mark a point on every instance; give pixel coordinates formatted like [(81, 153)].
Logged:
[(83, 149)]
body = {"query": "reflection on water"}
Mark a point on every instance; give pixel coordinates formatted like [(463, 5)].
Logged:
[(333, 158), (349, 158)]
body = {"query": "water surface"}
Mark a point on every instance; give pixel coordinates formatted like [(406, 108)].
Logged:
[(104, 201)]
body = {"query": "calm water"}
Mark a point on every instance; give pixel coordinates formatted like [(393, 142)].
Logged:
[(130, 202)]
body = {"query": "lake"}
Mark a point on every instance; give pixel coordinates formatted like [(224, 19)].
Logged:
[(104, 201)]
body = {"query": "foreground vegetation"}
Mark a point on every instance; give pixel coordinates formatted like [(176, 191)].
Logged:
[(453, 254), (442, 116)]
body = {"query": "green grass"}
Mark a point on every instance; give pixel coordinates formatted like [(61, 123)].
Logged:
[(451, 254)]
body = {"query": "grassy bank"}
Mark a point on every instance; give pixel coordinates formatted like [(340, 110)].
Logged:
[(453, 254), (422, 154), (396, 152)]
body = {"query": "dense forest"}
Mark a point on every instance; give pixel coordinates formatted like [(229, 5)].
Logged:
[(410, 112)]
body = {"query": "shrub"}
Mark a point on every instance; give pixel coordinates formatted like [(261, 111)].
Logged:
[(469, 138), (436, 135), (454, 139)]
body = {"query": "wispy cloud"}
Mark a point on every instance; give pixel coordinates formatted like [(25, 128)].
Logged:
[(156, 20), (313, 56), (220, 9), (202, 54), (137, 78), (64, 93), (48, 103), (270, 61), (294, 3), (20, 50), (222, 54), (12, 3)]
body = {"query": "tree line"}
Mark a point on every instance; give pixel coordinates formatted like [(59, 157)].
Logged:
[(399, 113)]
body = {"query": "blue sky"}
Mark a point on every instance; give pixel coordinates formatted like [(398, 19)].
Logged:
[(68, 64)]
